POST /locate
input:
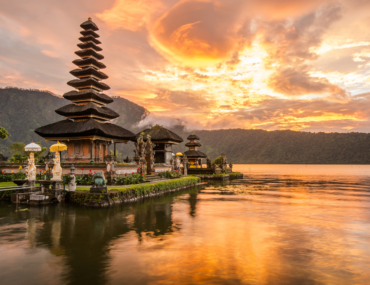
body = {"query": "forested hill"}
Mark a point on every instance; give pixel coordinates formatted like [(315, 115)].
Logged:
[(259, 146), (22, 111)]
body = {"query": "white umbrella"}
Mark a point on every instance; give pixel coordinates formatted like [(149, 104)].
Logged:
[(32, 147)]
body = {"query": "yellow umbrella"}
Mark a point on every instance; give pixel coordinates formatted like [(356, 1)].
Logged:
[(58, 147), (179, 154)]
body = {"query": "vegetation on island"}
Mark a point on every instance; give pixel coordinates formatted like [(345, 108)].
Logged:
[(152, 187)]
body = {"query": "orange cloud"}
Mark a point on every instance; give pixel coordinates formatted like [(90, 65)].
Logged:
[(130, 14), (199, 33)]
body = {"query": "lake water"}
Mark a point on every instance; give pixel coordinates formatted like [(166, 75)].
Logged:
[(281, 224)]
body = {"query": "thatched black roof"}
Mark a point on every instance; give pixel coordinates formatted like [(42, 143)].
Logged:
[(193, 137), (89, 81), (89, 71), (89, 38), (89, 60), (160, 135), (87, 95), (89, 25), (196, 144), (73, 110), (89, 32), (70, 129), (89, 45), (195, 154), (89, 52)]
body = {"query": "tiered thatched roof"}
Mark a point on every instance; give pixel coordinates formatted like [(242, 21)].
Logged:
[(88, 109)]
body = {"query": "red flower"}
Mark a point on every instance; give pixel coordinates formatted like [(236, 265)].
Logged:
[(82, 169), (145, 176), (133, 172), (138, 169), (90, 170)]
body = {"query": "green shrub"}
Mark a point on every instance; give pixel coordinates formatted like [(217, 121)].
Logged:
[(170, 174), (134, 178), (158, 187)]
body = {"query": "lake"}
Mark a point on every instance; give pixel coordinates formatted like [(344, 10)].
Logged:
[(281, 224)]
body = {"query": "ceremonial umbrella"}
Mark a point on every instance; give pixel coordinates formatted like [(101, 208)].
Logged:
[(32, 147), (58, 147), (179, 154)]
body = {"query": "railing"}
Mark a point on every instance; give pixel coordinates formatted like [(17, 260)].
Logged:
[(11, 188)]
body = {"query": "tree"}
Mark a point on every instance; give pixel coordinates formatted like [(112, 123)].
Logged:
[(4, 133), (19, 155), (17, 151)]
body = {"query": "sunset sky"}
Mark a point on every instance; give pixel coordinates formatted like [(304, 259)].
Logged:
[(262, 64)]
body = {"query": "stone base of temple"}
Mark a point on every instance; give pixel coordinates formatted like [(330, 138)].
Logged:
[(98, 189)]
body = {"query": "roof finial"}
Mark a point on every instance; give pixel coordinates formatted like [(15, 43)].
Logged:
[(89, 19)]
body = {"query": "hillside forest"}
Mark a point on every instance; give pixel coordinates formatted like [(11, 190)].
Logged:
[(22, 111)]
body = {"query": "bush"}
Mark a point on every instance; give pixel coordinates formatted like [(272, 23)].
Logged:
[(6, 177), (134, 178), (170, 174), (234, 175), (159, 187)]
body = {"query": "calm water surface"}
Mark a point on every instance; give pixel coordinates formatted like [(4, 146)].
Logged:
[(281, 224)]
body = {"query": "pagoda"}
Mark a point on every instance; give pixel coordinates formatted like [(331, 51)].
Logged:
[(86, 130), (193, 154)]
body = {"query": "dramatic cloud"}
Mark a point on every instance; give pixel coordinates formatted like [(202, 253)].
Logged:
[(271, 64)]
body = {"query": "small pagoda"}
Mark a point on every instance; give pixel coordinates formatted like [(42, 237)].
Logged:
[(193, 154), (86, 130)]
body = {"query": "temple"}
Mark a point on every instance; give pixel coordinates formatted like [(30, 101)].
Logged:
[(86, 130), (164, 140), (193, 154)]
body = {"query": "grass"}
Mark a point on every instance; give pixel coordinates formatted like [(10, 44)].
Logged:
[(151, 187), (6, 184)]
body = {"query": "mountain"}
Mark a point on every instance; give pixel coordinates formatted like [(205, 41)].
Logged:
[(260, 146), (23, 110)]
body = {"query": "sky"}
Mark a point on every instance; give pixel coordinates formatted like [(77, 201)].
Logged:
[(208, 64)]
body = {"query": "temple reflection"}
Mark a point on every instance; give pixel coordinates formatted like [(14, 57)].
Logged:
[(83, 236)]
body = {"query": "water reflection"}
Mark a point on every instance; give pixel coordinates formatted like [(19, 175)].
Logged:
[(269, 228), (81, 237)]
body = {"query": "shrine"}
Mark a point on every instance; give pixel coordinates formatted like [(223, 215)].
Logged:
[(86, 130), (163, 140), (193, 154)]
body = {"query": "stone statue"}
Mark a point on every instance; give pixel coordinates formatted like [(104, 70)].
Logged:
[(149, 153), (177, 163), (231, 166), (99, 179), (99, 183), (57, 169), (72, 185), (31, 174), (110, 162), (209, 162), (223, 163)]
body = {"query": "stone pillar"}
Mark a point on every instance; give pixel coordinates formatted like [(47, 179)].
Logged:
[(92, 152), (185, 164)]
